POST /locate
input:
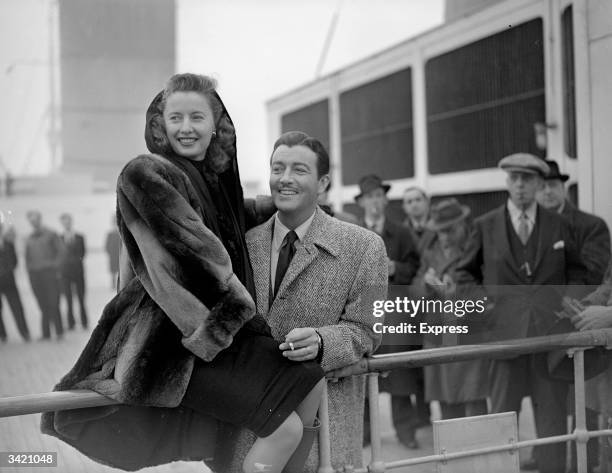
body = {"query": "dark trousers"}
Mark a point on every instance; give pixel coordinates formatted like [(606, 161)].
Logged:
[(513, 379), (74, 279), (406, 415), (463, 409), (45, 285), (8, 288)]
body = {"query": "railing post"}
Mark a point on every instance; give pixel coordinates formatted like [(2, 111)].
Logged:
[(377, 465), (325, 465), (581, 437)]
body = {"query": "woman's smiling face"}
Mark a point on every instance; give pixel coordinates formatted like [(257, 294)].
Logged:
[(189, 122)]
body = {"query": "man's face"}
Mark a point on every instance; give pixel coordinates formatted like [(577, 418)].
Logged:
[(374, 202), (66, 222), (415, 204), (35, 220), (522, 187), (552, 194), (294, 180), (452, 236)]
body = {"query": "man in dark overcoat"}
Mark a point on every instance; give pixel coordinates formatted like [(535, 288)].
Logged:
[(71, 270), (590, 231), (593, 239), (524, 256), (403, 263), (43, 254), (8, 288), (416, 204)]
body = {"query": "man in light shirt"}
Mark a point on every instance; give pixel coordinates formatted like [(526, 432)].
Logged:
[(523, 257)]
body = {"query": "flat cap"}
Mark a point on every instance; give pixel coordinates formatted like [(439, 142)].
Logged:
[(524, 162)]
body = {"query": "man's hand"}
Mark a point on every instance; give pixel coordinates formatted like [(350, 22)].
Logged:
[(301, 344), (593, 317), (431, 278), (391, 267)]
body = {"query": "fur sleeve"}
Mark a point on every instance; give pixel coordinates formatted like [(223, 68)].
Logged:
[(182, 265)]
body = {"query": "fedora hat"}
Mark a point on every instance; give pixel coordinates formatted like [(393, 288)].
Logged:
[(554, 172), (369, 183), (445, 213)]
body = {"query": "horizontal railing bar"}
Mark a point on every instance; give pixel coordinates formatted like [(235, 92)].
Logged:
[(53, 401), (64, 400), (431, 356), (487, 450)]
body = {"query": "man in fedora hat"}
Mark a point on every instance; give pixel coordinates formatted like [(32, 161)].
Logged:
[(591, 232), (461, 388), (593, 239), (403, 262), (523, 256)]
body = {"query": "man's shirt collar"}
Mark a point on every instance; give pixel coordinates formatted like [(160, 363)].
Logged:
[(280, 231), (515, 212)]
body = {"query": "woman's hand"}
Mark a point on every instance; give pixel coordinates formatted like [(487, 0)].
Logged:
[(301, 344), (593, 317)]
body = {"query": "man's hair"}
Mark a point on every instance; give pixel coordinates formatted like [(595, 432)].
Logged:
[(418, 189), (65, 215), (31, 213), (298, 138)]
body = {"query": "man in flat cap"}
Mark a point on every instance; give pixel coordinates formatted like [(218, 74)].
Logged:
[(523, 256), (403, 263), (591, 232)]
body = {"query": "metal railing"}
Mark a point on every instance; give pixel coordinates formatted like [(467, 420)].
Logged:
[(574, 343)]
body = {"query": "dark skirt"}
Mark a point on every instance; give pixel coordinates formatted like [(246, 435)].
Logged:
[(251, 384)]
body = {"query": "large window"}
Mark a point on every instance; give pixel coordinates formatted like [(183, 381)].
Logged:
[(484, 98), (312, 120), (376, 129), (569, 84)]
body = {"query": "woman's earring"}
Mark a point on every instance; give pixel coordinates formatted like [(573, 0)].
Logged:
[(214, 135)]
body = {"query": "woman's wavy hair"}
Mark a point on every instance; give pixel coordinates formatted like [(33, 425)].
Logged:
[(222, 148)]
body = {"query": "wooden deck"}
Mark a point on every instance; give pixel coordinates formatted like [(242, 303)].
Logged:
[(36, 366)]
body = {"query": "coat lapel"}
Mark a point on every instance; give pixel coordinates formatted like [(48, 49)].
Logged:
[(500, 232), (259, 251), (308, 250), (544, 235)]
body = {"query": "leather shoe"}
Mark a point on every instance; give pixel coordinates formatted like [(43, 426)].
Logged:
[(409, 441)]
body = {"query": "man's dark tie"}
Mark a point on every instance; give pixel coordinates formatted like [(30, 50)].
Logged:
[(284, 258)]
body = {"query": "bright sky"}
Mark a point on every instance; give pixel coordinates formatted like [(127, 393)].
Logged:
[(256, 50)]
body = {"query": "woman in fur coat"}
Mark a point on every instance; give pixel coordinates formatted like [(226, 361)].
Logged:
[(180, 345)]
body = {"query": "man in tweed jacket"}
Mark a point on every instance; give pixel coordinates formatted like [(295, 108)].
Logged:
[(323, 304)]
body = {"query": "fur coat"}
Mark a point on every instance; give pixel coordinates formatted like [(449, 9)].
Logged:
[(179, 299)]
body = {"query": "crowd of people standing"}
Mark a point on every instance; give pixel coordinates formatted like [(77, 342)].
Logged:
[(527, 255)]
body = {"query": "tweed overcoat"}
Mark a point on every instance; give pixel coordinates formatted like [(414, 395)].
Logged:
[(335, 273)]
